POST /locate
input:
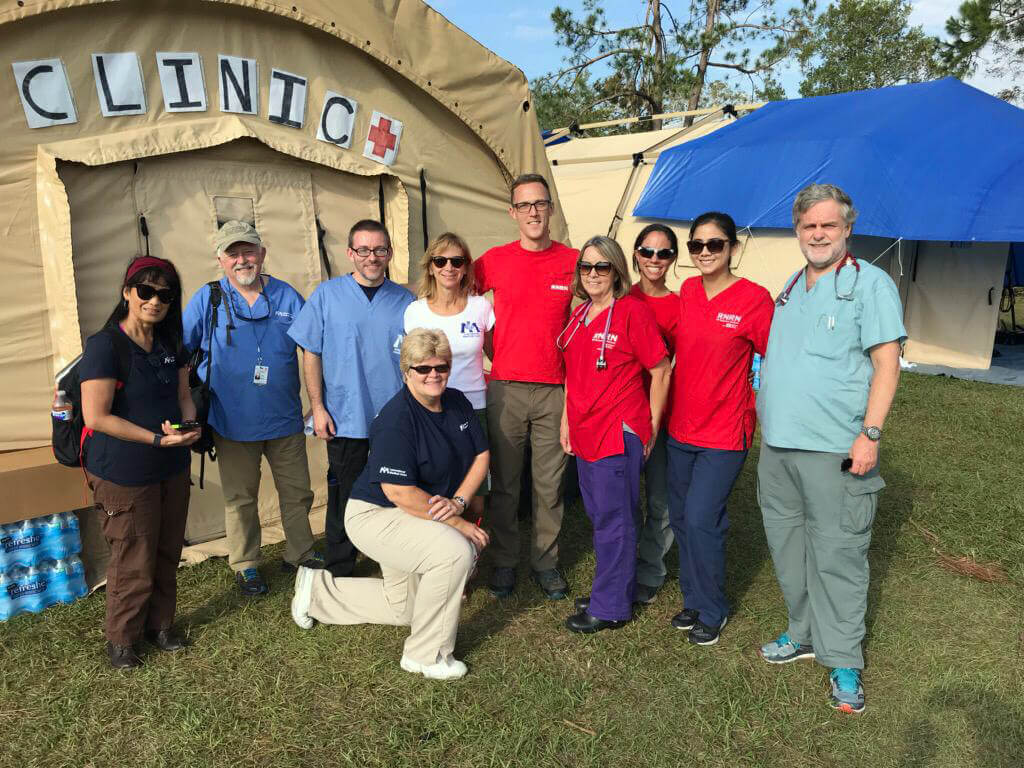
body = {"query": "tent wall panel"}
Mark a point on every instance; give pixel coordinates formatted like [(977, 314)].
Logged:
[(949, 318)]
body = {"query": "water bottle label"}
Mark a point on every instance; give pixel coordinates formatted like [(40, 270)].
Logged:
[(61, 415), (24, 589), (18, 542)]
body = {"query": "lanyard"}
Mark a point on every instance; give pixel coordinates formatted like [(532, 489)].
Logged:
[(847, 296), (577, 318), (259, 337)]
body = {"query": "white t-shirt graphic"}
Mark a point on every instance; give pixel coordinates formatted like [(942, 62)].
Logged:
[(465, 332)]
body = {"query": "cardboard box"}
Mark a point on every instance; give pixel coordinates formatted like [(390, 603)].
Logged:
[(32, 483)]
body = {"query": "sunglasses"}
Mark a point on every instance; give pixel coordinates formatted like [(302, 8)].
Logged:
[(714, 245), (661, 254), (423, 370), (147, 292), (602, 268), (457, 261)]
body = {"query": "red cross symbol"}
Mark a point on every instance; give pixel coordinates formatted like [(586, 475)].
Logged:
[(382, 137)]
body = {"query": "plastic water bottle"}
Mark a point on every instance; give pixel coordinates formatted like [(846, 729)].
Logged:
[(20, 544), (756, 368), (70, 579), (61, 409), (5, 599), (72, 534), (27, 590)]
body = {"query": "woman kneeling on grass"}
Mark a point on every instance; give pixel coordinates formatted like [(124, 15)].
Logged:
[(428, 454), (609, 421)]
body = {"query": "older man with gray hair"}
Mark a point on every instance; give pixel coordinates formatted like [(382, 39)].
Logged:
[(827, 381)]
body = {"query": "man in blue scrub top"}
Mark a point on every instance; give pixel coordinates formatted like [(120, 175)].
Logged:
[(255, 408), (828, 378), (351, 332)]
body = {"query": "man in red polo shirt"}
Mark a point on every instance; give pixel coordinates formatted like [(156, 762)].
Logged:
[(530, 278)]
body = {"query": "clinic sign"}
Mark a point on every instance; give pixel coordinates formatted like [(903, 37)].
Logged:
[(47, 100)]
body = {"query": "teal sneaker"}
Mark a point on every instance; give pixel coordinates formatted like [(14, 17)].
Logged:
[(847, 690), (784, 650)]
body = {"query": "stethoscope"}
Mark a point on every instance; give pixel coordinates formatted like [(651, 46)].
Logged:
[(577, 317), (847, 296)]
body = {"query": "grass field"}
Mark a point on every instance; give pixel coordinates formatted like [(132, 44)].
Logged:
[(944, 652)]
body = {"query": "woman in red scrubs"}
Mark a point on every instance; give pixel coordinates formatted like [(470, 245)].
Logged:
[(723, 321), (654, 252), (609, 421)]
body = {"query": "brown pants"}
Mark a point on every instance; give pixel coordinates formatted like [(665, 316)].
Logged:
[(516, 410), (145, 528)]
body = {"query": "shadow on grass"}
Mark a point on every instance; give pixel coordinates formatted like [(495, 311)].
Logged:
[(997, 721)]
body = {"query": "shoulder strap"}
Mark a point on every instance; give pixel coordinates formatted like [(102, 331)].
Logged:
[(215, 299)]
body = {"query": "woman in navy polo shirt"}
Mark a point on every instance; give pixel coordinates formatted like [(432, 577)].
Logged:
[(137, 464), (428, 455)]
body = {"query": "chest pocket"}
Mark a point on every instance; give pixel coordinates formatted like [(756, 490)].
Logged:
[(834, 332)]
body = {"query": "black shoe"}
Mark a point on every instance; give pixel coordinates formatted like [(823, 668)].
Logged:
[(587, 624), (582, 604), (702, 634), (644, 594), (122, 656), (685, 619), (503, 581), (551, 581), (165, 639), (315, 562), (250, 582)]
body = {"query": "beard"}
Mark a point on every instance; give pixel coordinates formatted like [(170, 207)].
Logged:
[(826, 260), (247, 277)]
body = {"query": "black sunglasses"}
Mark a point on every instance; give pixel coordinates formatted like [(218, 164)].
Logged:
[(147, 292), (714, 245), (602, 268), (439, 261), (423, 370), (661, 254)]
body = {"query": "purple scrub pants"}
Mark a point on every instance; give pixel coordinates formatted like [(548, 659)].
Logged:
[(611, 496)]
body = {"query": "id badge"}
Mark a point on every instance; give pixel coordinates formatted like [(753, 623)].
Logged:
[(259, 375)]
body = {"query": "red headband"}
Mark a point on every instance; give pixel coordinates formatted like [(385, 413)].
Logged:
[(145, 262)]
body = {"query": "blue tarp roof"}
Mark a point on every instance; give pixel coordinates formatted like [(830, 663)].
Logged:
[(929, 161)]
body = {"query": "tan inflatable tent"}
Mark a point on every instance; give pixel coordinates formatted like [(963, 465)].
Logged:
[(137, 126), (942, 285)]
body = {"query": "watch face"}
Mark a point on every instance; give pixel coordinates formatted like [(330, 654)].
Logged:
[(873, 433)]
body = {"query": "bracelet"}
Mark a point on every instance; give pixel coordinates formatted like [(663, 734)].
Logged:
[(156, 440), (461, 501)]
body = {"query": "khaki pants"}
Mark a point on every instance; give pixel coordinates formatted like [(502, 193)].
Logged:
[(425, 566), (818, 521), (239, 464), (516, 410)]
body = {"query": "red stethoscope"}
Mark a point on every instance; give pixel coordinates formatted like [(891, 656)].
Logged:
[(846, 296), (577, 318)]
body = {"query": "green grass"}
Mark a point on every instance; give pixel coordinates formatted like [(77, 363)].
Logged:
[(944, 653)]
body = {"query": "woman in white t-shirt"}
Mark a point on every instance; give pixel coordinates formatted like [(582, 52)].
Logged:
[(445, 303)]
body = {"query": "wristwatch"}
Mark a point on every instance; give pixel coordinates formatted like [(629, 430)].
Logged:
[(872, 433), (461, 502), (156, 440)]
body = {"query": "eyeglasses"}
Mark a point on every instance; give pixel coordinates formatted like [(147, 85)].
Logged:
[(380, 251), (661, 254), (602, 268), (714, 245), (147, 292), (439, 261), (539, 205), (423, 370)]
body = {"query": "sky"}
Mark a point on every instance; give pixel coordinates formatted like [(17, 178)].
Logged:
[(522, 33)]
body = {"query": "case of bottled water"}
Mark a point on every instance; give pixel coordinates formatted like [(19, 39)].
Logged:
[(39, 564)]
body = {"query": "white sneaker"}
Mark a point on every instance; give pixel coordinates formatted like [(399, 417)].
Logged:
[(448, 668), (303, 594)]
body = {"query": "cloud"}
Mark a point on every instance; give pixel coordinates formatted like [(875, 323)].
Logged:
[(932, 14), (527, 33)]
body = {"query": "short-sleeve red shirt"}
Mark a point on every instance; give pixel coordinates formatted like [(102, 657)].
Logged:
[(599, 402), (532, 295), (666, 313), (712, 400)]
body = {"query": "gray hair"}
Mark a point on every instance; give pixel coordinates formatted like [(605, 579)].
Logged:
[(611, 252), (813, 194)]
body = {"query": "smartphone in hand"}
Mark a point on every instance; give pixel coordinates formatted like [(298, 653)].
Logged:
[(187, 426)]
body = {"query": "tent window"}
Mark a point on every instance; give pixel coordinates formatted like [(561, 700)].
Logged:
[(234, 208)]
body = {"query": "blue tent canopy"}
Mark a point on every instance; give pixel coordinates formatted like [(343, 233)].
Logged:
[(929, 161)]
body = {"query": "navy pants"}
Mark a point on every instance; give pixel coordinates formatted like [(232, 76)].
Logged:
[(611, 495), (700, 480)]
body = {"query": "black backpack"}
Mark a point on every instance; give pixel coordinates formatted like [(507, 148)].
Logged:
[(201, 387), (69, 436)]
